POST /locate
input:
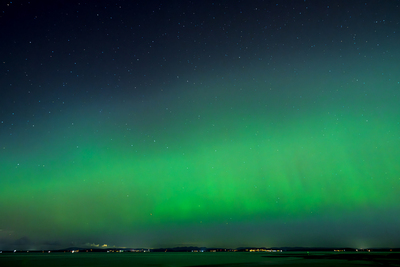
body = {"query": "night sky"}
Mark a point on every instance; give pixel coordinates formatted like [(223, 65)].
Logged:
[(199, 123)]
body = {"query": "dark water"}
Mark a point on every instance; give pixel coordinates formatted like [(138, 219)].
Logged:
[(237, 259)]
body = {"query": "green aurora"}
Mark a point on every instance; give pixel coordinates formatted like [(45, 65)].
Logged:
[(199, 123), (214, 158)]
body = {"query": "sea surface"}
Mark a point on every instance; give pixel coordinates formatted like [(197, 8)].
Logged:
[(221, 259)]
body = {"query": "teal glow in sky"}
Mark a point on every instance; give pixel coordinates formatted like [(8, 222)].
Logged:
[(285, 140)]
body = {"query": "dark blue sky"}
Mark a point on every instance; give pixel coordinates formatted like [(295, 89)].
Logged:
[(286, 111)]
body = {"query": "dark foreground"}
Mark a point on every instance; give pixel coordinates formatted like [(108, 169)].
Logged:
[(202, 259)]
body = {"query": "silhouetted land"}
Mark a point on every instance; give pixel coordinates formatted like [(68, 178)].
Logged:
[(202, 259)]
